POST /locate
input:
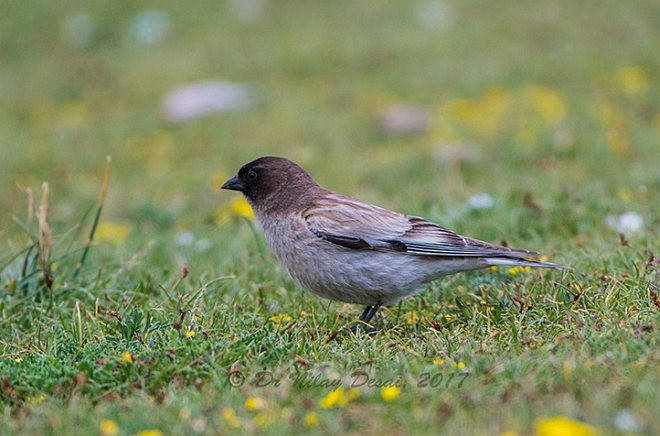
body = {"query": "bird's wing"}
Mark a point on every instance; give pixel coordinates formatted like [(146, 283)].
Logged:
[(353, 224)]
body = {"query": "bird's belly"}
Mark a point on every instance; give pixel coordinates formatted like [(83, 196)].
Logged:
[(363, 277), (350, 275)]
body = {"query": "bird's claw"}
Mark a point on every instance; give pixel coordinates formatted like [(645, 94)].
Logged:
[(361, 327)]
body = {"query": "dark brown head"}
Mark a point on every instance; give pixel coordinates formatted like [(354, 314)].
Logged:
[(271, 182)]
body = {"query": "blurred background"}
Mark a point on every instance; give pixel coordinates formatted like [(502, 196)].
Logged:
[(539, 120)]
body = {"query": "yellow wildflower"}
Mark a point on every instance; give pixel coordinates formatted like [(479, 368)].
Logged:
[(412, 318), (515, 270), (241, 207), (112, 233), (438, 361), (493, 107), (236, 207), (230, 417), (335, 398), (548, 103), (280, 319), (390, 393), (464, 110), (460, 365), (18, 359), (108, 427), (37, 400), (150, 432), (632, 80), (486, 115), (311, 419), (190, 334), (254, 403), (283, 317), (562, 426), (127, 357)]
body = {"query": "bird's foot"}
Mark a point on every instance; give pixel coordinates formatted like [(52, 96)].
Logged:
[(363, 328)]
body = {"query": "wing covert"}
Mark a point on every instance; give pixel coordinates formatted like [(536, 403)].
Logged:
[(356, 225)]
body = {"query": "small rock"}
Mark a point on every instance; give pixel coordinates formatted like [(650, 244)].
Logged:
[(402, 120), (197, 100)]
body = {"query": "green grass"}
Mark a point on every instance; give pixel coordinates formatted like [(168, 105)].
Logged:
[(532, 102)]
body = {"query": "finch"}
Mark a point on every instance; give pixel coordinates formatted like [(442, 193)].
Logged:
[(346, 250)]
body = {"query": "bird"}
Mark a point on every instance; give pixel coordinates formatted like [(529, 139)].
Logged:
[(343, 249)]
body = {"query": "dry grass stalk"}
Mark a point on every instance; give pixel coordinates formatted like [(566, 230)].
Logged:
[(45, 238), (30, 207)]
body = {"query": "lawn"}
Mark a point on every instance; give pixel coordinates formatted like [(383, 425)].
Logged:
[(535, 124)]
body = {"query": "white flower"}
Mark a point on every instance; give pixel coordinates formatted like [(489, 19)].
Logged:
[(481, 201), (185, 239), (150, 27), (626, 422), (627, 223)]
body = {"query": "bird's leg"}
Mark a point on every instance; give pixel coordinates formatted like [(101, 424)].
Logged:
[(367, 314), (372, 311)]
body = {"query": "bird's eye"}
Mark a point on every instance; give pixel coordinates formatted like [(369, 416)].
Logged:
[(252, 175)]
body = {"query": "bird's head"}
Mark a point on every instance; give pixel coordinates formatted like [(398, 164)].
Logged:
[(271, 182)]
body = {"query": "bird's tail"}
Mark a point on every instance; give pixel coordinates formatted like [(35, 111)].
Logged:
[(504, 261)]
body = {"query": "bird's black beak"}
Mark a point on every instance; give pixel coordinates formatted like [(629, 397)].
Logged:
[(233, 184)]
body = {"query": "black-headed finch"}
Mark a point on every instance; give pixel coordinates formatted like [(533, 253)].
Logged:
[(342, 249)]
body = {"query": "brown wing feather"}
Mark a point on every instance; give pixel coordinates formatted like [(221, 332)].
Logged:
[(353, 224)]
